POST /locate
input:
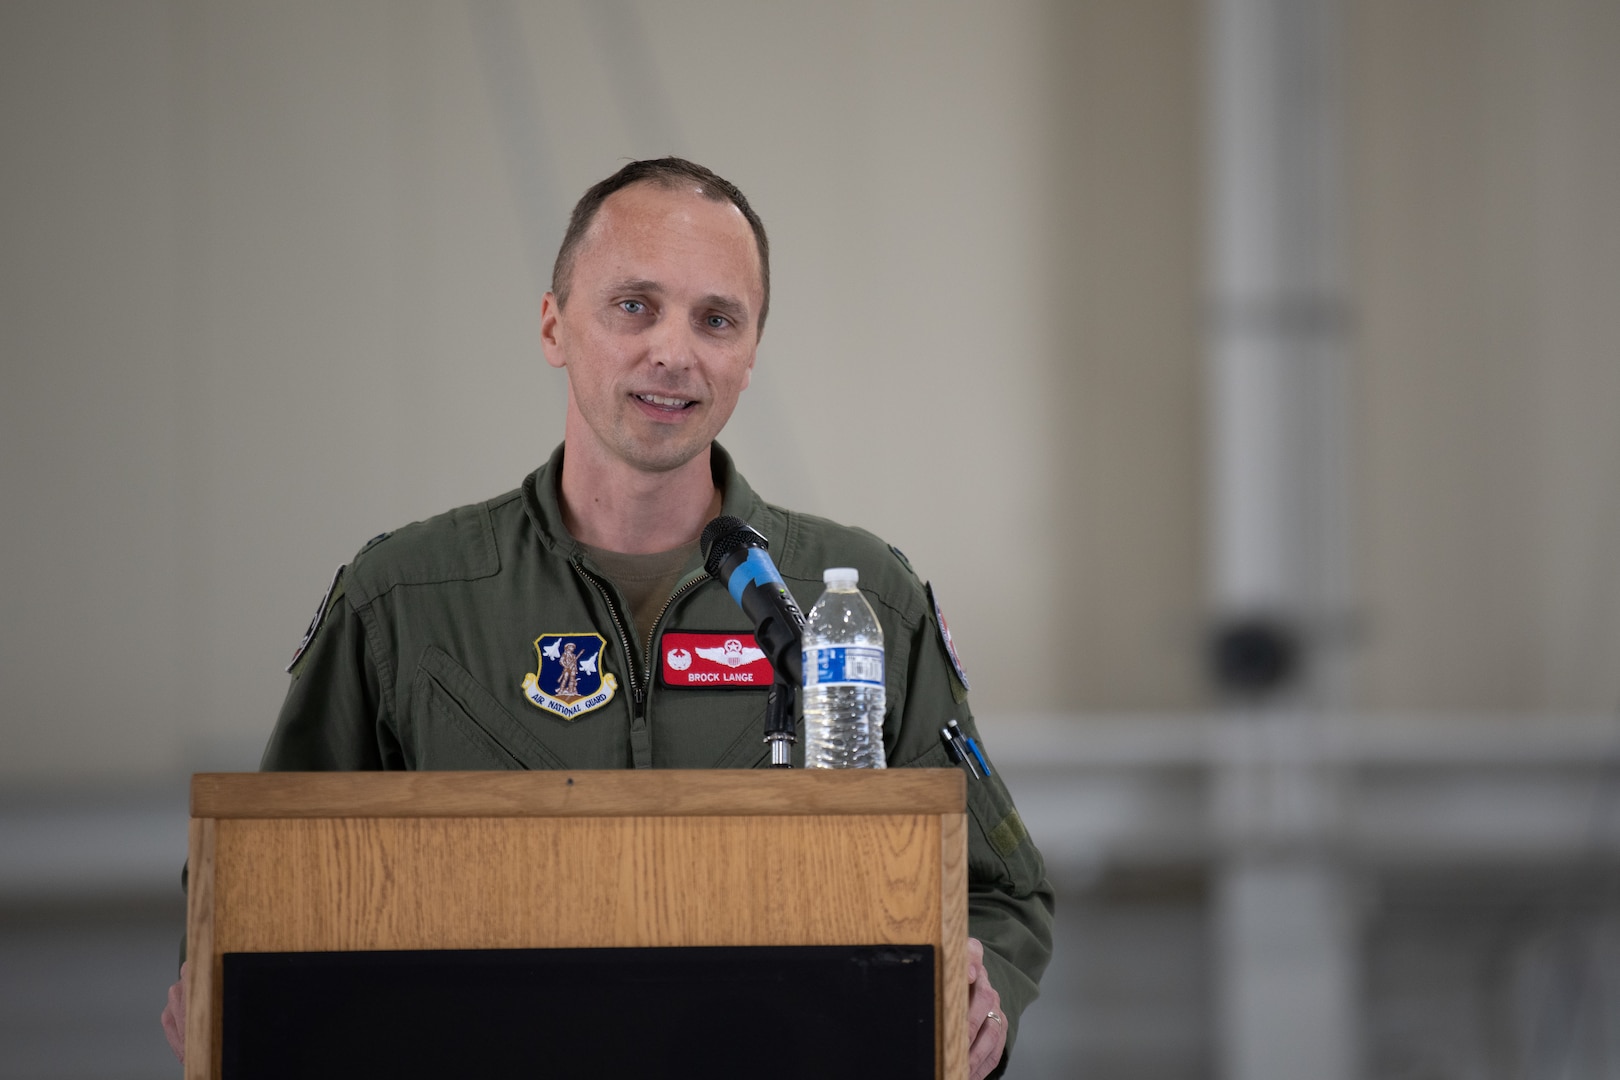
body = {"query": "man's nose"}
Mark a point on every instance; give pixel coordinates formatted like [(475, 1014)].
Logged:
[(673, 341)]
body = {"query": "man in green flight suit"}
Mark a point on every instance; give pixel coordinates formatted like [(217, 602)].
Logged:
[(569, 624)]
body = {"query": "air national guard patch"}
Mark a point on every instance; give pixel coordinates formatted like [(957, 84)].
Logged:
[(570, 681)]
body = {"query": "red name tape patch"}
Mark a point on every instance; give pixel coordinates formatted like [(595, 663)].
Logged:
[(732, 661)]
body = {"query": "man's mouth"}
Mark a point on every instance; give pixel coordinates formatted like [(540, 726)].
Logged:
[(659, 401)]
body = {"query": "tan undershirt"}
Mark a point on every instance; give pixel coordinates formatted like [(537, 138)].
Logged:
[(646, 581)]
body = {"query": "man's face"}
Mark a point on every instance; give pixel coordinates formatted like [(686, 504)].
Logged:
[(661, 325)]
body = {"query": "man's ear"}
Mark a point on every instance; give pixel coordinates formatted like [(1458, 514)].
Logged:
[(550, 331)]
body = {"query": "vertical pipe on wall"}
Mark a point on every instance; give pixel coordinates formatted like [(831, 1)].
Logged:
[(1276, 328), (1277, 562)]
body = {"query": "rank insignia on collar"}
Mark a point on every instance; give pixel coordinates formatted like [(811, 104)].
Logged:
[(569, 681)]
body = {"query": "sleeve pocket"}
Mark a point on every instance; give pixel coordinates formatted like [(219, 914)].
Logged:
[(999, 847)]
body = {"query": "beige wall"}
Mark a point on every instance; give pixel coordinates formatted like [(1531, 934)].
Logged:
[(269, 278), (273, 274), (1121, 404), (1486, 150)]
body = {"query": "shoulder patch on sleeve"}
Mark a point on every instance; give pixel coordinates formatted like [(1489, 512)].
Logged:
[(328, 598), (950, 645)]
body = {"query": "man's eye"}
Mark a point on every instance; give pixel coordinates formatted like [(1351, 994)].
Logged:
[(717, 322), (632, 307)]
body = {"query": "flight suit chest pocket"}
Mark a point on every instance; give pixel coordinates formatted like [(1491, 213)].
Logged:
[(455, 723)]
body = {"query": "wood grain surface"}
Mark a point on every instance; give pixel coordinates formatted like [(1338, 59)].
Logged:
[(203, 976), (586, 793), (310, 862), (951, 990), (479, 883)]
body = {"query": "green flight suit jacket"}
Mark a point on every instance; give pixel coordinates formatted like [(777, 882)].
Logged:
[(419, 656)]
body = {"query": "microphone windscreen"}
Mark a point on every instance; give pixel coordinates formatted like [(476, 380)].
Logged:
[(723, 536)]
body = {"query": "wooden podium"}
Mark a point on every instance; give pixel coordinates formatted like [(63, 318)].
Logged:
[(366, 862)]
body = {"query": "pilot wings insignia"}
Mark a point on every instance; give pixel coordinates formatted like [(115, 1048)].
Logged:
[(733, 654)]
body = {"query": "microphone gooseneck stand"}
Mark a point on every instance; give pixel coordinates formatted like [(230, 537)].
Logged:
[(735, 555), (780, 712)]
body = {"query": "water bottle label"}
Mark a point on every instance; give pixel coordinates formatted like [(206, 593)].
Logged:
[(843, 665)]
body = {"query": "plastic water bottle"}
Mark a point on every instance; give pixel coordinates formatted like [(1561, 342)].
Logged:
[(843, 678)]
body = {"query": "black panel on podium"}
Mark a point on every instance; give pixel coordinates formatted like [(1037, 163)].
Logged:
[(808, 1012)]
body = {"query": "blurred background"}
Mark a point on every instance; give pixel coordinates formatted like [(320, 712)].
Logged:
[(1244, 373)]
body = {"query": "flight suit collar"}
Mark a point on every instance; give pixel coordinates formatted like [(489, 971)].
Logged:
[(541, 503)]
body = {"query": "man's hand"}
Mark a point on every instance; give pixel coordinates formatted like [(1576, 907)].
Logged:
[(987, 1028), (174, 1015)]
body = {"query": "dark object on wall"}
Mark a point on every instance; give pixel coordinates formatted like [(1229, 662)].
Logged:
[(1255, 655)]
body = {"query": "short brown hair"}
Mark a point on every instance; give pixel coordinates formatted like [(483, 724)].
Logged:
[(666, 172)]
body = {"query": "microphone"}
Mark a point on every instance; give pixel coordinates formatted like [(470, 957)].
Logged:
[(735, 555)]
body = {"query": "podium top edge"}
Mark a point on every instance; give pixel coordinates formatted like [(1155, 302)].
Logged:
[(580, 793)]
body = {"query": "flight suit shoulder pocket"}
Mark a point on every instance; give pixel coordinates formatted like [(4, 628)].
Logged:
[(999, 845), (458, 724)]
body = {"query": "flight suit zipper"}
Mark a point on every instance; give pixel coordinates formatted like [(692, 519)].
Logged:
[(638, 697), (680, 590), (640, 683)]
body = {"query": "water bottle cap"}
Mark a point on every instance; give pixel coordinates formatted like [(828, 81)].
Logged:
[(840, 575)]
